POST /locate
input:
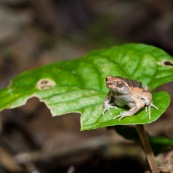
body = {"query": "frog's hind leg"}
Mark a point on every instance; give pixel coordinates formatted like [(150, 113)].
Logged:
[(139, 105), (148, 109)]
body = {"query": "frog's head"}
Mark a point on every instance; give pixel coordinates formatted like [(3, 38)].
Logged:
[(117, 85)]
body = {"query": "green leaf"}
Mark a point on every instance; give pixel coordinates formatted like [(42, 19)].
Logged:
[(79, 85), (161, 144)]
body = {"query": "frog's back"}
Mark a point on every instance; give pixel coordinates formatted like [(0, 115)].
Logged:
[(132, 83)]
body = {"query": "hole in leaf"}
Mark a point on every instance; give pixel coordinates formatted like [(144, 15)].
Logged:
[(45, 84), (168, 63)]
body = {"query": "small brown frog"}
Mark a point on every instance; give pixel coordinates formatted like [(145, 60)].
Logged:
[(126, 92)]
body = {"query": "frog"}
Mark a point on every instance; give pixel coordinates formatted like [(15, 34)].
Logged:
[(127, 92)]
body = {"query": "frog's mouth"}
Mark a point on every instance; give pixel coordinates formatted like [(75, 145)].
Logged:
[(120, 91), (117, 92)]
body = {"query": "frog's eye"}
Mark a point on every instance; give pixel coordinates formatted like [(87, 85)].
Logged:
[(119, 84)]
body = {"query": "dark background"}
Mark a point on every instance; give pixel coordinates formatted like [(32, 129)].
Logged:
[(38, 32)]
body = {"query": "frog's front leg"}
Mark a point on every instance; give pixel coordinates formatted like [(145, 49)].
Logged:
[(107, 104), (138, 106)]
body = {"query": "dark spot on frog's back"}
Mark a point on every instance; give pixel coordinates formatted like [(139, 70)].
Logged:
[(168, 63), (131, 83)]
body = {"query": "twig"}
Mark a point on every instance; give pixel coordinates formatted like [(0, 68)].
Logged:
[(66, 151), (147, 148)]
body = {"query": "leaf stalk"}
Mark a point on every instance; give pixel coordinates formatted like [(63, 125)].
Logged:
[(147, 148)]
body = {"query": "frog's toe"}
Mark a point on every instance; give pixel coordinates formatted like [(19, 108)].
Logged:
[(117, 117), (152, 105), (107, 110), (108, 107), (123, 115), (120, 116)]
